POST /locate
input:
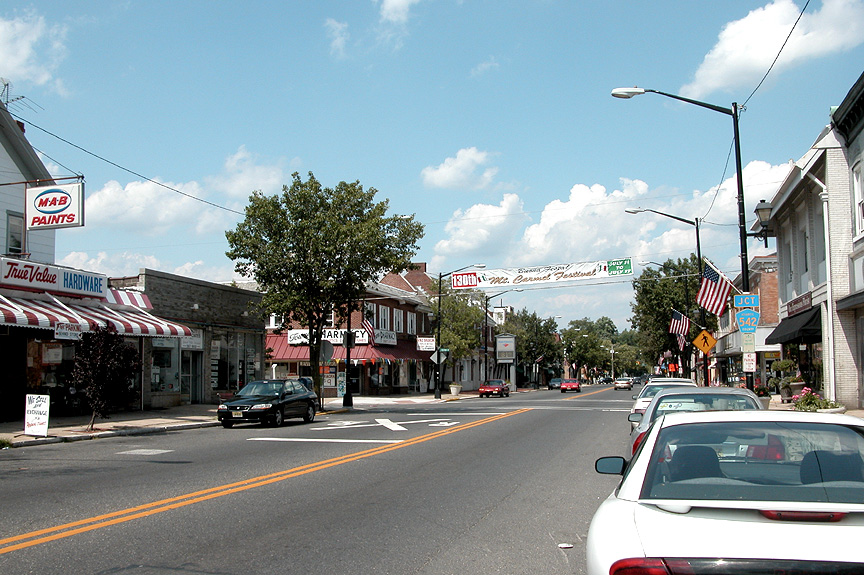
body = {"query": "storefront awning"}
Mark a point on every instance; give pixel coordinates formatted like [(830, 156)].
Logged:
[(805, 327), (283, 352), (46, 314)]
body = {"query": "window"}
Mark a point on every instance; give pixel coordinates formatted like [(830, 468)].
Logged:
[(858, 197), (397, 321), (369, 313), (330, 319), (412, 323), (14, 233), (383, 317)]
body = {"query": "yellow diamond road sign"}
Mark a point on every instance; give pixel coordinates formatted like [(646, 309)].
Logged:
[(704, 341)]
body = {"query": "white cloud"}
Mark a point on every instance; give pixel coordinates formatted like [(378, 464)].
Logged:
[(241, 175), (119, 264), (746, 48), (487, 65), (396, 11), (465, 171), (339, 36), (31, 50), (482, 230)]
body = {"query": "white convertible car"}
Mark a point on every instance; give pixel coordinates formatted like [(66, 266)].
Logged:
[(735, 492)]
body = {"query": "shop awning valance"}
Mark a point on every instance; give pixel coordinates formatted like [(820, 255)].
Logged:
[(46, 314), (404, 349), (805, 327)]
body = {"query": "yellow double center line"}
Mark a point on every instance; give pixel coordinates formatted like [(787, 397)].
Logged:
[(100, 521)]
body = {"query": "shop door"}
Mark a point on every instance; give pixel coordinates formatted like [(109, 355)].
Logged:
[(190, 376)]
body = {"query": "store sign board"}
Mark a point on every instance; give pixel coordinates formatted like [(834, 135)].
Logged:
[(53, 207), (425, 343), (56, 279), (67, 331), (505, 348), (36, 415)]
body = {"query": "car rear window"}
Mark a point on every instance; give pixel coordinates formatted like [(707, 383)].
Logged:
[(757, 461), (703, 402)]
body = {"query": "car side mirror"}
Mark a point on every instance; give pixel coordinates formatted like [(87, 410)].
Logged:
[(610, 465), (635, 417), (634, 397)]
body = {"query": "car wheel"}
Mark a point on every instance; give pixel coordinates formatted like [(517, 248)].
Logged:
[(562, 390), (227, 424), (278, 418), (506, 395), (579, 390), (309, 416)]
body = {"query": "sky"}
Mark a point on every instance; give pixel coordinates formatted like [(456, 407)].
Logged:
[(490, 120)]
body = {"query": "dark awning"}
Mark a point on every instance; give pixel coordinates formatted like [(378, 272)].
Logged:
[(805, 327)]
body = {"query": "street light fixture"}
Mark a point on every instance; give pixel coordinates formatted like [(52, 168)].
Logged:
[(695, 223), (440, 361), (628, 93), (486, 330)]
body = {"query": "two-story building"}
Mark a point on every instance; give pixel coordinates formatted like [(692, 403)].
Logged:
[(818, 220)]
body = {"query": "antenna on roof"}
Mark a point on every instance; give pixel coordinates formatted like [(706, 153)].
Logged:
[(7, 98)]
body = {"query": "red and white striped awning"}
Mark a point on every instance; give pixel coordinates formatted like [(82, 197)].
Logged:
[(46, 314), (124, 297)]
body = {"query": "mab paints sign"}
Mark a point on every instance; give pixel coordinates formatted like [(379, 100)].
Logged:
[(52, 207), (44, 277)]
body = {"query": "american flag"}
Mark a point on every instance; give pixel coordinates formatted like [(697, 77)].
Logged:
[(680, 323), (714, 290), (367, 325), (682, 342)]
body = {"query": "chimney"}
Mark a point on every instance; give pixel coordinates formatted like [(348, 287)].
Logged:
[(21, 125)]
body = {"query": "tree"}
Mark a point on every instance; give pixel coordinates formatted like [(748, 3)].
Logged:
[(104, 371), (537, 341), (461, 321), (673, 285), (312, 249)]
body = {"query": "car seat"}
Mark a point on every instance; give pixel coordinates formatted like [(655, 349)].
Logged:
[(819, 466), (694, 461)]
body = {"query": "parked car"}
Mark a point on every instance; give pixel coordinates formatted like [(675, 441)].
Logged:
[(494, 386), (726, 492), (623, 383), (554, 383), (269, 401), (604, 380), (685, 398), (650, 389), (571, 385)]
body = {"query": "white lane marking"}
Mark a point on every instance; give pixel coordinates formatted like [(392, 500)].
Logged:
[(390, 425), (145, 452), (302, 440), (444, 424), (378, 423)]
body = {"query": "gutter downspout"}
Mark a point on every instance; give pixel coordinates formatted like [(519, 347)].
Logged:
[(829, 302)]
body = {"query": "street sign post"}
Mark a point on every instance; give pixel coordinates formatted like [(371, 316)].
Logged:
[(746, 300), (748, 320), (704, 341)]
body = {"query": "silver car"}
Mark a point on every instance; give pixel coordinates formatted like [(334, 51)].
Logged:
[(677, 399), (655, 384)]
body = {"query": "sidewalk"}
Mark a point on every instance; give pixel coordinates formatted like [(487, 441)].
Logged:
[(74, 428)]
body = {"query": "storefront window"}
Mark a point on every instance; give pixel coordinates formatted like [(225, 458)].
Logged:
[(235, 358), (165, 366)]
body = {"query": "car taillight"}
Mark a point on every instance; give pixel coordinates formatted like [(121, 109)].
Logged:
[(639, 566), (815, 516), (638, 441)]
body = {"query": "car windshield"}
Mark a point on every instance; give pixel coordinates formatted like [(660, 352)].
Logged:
[(261, 388), (757, 461), (702, 402), (494, 382)]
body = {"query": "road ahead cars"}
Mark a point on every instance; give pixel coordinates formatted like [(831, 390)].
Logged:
[(496, 387), (685, 398), (623, 383), (725, 492), (571, 385), (269, 401), (643, 398)]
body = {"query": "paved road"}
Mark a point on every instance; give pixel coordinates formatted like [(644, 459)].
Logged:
[(482, 486)]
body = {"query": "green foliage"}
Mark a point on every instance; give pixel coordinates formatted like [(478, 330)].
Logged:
[(104, 370), (462, 321), (535, 338), (657, 291), (312, 249)]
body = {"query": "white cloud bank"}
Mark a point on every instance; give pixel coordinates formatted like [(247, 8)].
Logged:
[(31, 51), (464, 172), (746, 48)]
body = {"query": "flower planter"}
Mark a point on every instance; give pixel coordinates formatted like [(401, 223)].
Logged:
[(841, 409), (455, 389), (765, 401)]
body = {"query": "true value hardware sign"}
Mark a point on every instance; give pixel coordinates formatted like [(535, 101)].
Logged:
[(55, 279)]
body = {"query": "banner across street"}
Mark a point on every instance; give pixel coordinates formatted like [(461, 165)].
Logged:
[(479, 279)]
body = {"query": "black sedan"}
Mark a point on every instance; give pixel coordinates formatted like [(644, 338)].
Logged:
[(269, 401)]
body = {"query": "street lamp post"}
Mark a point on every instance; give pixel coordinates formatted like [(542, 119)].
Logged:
[(440, 361), (486, 330), (628, 93)]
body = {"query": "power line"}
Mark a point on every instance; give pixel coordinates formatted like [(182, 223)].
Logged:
[(134, 173)]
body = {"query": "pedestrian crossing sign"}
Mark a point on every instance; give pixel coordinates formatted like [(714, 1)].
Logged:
[(704, 341)]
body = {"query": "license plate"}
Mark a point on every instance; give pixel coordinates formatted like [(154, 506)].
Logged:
[(236, 414)]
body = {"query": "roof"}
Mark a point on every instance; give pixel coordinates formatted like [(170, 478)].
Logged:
[(20, 150)]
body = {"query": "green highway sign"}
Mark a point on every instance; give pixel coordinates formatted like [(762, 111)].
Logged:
[(622, 267)]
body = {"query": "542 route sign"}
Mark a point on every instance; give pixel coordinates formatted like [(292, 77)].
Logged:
[(748, 320)]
